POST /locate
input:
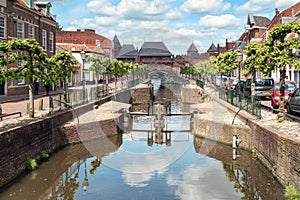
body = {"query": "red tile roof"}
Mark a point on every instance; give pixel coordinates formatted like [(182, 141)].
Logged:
[(87, 37), (80, 47), (289, 12)]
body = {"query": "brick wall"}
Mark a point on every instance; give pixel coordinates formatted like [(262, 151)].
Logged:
[(279, 152), (46, 134)]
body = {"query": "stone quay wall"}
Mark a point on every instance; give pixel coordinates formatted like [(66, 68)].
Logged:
[(279, 152), (49, 134)]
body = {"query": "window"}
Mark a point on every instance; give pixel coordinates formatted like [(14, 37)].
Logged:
[(44, 40), (51, 42), (21, 81), (20, 30), (2, 27), (97, 42), (30, 31)]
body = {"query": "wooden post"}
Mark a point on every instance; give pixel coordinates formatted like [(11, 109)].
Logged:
[(41, 104)]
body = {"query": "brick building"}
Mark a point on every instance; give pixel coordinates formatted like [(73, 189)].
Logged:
[(91, 43), (26, 19), (290, 14)]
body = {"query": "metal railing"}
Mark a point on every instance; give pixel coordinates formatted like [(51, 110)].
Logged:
[(251, 104), (82, 95), (75, 97)]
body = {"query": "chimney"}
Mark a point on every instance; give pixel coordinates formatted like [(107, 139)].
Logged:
[(31, 3), (78, 30), (276, 11), (226, 44), (89, 30)]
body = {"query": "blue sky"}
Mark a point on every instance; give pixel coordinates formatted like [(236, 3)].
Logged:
[(177, 23)]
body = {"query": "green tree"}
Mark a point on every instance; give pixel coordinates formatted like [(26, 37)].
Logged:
[(226, 63), (282, 51), (62, 66), (116, 69), (99, 66), (59, 27), (34, 64), (256, 58)]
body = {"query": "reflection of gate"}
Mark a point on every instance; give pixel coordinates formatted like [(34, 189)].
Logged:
[(2, 84)]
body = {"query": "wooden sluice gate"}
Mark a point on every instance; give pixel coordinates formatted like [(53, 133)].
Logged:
[(159, 132)]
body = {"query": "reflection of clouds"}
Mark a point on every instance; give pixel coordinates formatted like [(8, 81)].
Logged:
[(206, 181), (138, 168)]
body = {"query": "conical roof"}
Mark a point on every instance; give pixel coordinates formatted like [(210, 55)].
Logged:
[(192, 48), (212, 48)]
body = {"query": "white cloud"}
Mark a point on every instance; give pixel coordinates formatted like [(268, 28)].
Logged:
[(226, 21), (142, 9), (205, 6), (187, 32), (283, 4), (102, 7), (258, 5), (174, 14), (231, 36)]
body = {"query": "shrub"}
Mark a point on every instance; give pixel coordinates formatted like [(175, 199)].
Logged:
[(291, 193), (44, 155), (31, 164)]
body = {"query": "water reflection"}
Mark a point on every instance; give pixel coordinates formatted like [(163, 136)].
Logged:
[(149, 165), (249, 176), (73, 174)]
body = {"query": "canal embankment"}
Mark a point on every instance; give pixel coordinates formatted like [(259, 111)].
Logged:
[(269, 142), (47, 133)]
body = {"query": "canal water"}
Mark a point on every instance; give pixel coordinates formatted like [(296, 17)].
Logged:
[(145, 165)]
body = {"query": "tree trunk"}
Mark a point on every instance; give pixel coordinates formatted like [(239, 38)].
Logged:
[(221, 84), (281, 114), (65, 91), (253, 85), (96, 83), (31, 100), (106, 83)]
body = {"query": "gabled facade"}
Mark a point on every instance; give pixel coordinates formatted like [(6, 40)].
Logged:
[(91, 43), (256, 28), (26, 19)]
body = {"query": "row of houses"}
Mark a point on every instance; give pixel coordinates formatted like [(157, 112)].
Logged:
[(256, 30), (21, 19), (33, 19)]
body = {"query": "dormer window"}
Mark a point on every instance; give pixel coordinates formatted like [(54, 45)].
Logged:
[(287, 19), (45, 6), (97, 42)]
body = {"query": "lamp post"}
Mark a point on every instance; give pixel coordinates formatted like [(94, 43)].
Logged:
[(83, 58), (239, 59), (85, 183)]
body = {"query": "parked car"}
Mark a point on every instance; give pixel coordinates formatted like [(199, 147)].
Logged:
[(263, 87), (224, 79), (293, 102), (240, 85), (289, 87), (234, 83)]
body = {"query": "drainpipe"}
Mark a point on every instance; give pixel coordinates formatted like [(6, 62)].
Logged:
[(39, 38)]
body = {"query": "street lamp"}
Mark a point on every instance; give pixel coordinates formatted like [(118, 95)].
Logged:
[(239, 59), (85, 183), (83, 57)]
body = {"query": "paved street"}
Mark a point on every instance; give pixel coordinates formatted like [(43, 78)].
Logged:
[(19, 104)]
